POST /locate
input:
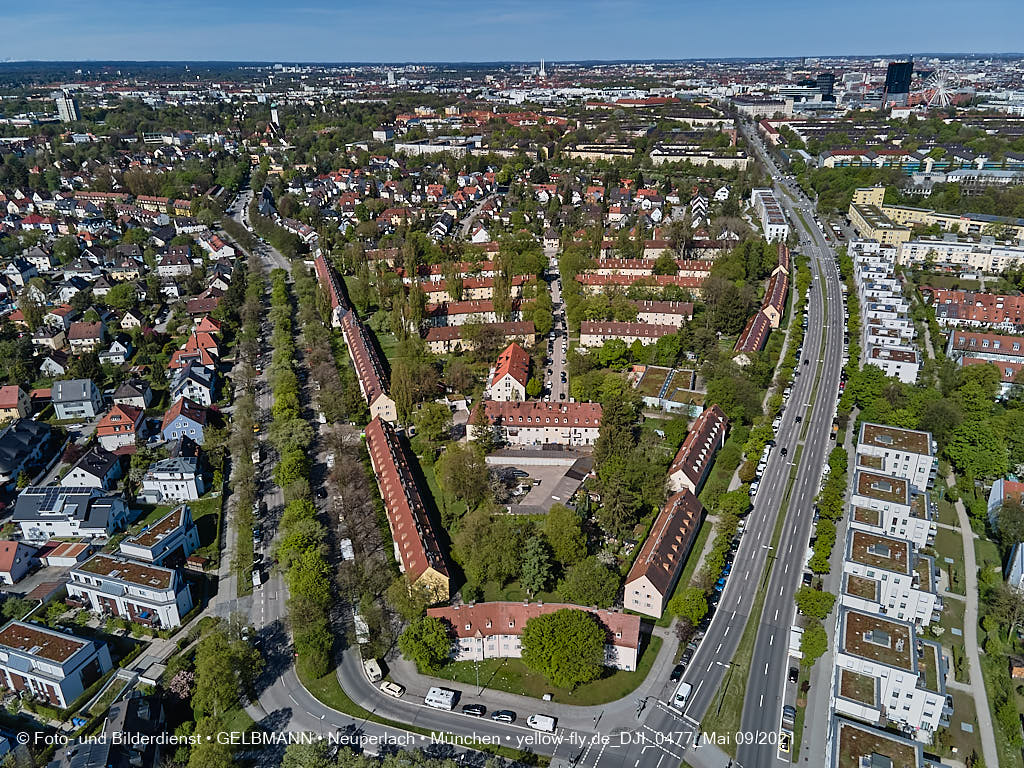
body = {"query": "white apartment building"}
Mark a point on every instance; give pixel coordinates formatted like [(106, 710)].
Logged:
[(54, 666), (885, 575), (168, 541), (906, 453), (902, 362), (885, 674), (596, 333), (773, 219), (140, 592), (884, 504), (984, 255), (539, 423)]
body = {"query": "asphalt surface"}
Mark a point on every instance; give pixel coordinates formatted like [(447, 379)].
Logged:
[(765, 692)]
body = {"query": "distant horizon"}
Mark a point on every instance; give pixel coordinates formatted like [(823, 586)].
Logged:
[(439, 32)]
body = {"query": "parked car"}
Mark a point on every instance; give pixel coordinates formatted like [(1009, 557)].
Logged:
[(794, 674), (392, 689), (677, 673), (476, 710), (503, 716)]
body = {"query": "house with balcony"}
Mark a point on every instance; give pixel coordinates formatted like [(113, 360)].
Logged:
[(148, 594), (120, 427), (52, 666), (167, 542), (173, 479), (886, 504), (48, 511), (905, 453)]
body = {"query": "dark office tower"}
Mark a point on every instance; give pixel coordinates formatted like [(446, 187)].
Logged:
[(897, 81), (826, 81)]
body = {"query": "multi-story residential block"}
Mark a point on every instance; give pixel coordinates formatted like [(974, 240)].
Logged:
[(855, 745), (885, 504), (86, 337), (47, 511), (510, 374), (753, 338), (885, 575), (596, 333), (370, 372), (167, 542), (693, 460), (463, 312), (538, 423), (54, 666), (656, 569), (773, 220), (445, 339), (416, 548), (494, 630), (906, 453), (140, 592), (76, 399), (885, 673), (959, 309), (954, 253), (664, 312)]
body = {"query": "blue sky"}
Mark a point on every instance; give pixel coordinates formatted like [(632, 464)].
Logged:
[(489, 30)]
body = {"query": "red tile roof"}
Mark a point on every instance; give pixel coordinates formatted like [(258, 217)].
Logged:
[(119, 420), (370, 371), (668, 544), (184, 407), (706, 436), (755, 334), (974, 342), (507, 618), (619, 330), (411, 526), (514, 362), (9, 396), (539, 413)]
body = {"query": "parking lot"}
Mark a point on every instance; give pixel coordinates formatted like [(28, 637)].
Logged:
[(559, 478)]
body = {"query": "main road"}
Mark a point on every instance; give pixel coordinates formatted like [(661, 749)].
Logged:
[(766, 685), (806, 423)]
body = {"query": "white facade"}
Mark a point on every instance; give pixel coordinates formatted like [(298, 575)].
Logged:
[(131, 590), (983, 256), (886, 651), (902, 362), (773, 220), (906, 517), (54, 666), (905, 453)]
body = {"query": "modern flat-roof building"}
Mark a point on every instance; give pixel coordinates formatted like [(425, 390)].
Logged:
[(884, 504), (906, 453), (54, 666), (494, 630), (661, 559), (773, 220), (693, 460), (139, 592), (888, 576), (168, 541), (855, 745), (886, 674)]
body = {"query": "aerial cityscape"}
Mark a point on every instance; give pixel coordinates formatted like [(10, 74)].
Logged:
[(419, 403)]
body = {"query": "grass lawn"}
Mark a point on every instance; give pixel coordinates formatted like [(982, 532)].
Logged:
[(458, 508), (1009, 756), (206, 514), (950, 544), (513, 676), (947, 511), (965, 743), (237, 720), (388, 345), (987, 554), (953, 618), (513, 592)]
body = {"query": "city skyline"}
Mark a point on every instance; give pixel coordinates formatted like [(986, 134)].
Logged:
[(424, 32)]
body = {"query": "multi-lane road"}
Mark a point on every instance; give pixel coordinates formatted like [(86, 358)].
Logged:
[(655, 735)]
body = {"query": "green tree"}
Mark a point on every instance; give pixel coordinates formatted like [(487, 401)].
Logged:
[(428, 642), (690, 603), (589, 582), (534, 387), (566, 646), (121, 297), (813, 643), (814, 602), (225, 668), (536, 571), (433, 422), (410, 600), (294, 465), (564, 532), (462, 473)]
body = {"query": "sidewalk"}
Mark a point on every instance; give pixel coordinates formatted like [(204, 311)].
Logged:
[(981, 705)]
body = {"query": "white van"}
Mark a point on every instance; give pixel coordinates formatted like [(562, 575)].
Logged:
[(440, 698), (681, 695), (541, 723), (372, 670)]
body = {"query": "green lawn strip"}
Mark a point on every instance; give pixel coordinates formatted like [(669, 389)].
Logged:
[(987, 554), (327, 690), (950, 544), (953, 618), (801, 713), (513, 676), (1009, 756), (458, 508), (244, 552), (707, 528), (954, 736)]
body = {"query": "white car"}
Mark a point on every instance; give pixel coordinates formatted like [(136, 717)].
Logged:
[(392, 689)]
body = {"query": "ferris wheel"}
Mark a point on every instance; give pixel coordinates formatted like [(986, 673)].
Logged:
[(939, 87)]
